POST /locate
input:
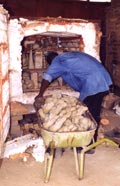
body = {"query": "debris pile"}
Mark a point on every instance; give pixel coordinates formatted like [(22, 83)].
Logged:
[(18, 148)]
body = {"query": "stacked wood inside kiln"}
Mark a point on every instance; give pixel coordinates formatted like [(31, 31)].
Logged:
[(33, 58)]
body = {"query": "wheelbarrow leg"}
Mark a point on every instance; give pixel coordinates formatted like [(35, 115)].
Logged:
[(79, 162), (76, 160), (48, 165), (82, 160)]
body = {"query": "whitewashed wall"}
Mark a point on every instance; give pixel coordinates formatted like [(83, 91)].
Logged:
[(15, 38), (18, 29), (4, 77)]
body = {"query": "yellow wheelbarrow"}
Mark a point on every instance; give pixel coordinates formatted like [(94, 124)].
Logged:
[(54, 140)]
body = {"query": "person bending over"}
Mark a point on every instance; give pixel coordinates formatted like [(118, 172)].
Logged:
[(84, 74)]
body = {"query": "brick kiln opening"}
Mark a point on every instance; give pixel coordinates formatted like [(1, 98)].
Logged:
[(34, 50), (29, 40)]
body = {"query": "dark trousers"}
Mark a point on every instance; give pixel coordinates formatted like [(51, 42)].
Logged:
[(94, 103)]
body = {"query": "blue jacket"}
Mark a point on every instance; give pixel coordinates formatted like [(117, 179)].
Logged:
[(81, 72)]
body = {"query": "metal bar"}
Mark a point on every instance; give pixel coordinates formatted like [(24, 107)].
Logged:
[(82, 159), (48, 165), (76, 160), (99, 142)]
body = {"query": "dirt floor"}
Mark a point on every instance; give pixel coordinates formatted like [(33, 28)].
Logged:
[(101, 168)]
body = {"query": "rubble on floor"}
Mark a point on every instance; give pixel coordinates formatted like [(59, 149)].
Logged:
[(17, 148)]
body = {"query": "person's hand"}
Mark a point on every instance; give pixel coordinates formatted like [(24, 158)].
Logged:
[(39, 101)]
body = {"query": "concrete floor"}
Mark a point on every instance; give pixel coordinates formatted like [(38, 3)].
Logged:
[(101, 168)]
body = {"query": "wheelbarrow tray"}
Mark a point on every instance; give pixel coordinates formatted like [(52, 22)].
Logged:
[(66, 139)]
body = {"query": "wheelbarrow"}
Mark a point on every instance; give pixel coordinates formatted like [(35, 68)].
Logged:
[(54, 140)]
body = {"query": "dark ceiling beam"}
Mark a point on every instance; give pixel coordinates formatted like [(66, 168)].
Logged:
[(55, 8)]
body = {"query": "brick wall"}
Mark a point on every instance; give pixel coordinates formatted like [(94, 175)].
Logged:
[(113, 41), (115, 2)]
